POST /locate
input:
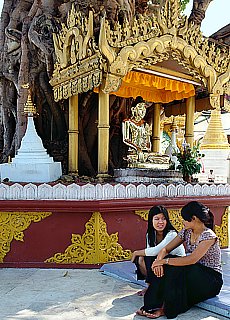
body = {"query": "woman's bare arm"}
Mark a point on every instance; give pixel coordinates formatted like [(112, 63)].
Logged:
[(194, 257), (153, 251), (137, 253), (169, 247)]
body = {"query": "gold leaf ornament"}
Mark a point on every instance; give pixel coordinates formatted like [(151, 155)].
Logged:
[(94, 246), (12, 225), (222, 230)]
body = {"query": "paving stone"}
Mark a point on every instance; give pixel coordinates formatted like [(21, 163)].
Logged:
[(73, 294)]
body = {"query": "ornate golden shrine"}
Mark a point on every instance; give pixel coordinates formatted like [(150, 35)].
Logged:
[(143, 45)]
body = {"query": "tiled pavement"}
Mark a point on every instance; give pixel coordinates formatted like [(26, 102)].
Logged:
[(73, 294)]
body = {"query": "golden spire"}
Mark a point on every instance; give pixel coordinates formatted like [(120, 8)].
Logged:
[(29, 107), (215, 137)]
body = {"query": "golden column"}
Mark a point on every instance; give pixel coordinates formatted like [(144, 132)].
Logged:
[(73, 134), (189, 121), (156, 127), (103, 134)]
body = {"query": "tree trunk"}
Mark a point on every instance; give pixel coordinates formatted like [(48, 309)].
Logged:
[(198, 11)]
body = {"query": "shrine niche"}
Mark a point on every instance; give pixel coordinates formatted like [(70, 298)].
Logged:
[(163, 58), (137, 135)]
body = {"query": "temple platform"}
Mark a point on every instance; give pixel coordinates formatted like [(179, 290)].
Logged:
[(220, 304), (48, 225)]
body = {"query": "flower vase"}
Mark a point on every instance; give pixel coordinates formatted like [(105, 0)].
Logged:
[(187, 178)]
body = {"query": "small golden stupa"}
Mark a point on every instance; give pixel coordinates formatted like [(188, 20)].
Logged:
[(29, 107), (215, 137)]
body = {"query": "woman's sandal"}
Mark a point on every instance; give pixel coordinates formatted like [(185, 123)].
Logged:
[(156, 314)]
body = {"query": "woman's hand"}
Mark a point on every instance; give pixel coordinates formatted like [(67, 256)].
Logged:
[(157, 263), (158, 271)]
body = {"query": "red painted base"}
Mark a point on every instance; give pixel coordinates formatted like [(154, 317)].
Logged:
[(53, 234)]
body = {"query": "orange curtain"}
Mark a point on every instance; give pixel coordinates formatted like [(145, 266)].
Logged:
[(153, 88)]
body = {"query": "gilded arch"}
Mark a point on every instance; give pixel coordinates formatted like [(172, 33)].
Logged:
[(150, 40), (145, 41)]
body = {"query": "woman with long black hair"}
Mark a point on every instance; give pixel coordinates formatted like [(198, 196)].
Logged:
[(159, 233), (185, 281)]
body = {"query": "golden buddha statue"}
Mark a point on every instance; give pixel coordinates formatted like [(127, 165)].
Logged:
[(137, 135)]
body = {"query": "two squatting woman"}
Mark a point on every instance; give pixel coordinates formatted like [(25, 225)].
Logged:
[(176, 284)]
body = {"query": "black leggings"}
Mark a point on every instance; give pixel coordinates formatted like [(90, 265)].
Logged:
[(148, 263), (180, 288)]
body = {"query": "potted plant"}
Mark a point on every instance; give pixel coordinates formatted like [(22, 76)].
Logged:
[(189, 161)]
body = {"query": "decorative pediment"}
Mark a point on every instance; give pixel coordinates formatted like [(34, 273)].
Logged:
[(148, 40), (78, 66), (144, 42)]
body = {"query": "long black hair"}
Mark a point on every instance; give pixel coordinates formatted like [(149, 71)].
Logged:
[(199, 210), (151, 230)]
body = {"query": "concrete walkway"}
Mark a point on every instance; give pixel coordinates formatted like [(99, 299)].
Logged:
[(72, 294)]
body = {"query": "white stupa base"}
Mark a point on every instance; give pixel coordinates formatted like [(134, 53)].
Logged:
[(218, 161), (31, 172)]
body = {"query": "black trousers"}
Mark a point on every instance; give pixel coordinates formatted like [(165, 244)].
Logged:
[(180, 288), (148, 263)]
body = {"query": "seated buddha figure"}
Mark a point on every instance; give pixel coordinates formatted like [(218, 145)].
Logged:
[(136, 132), (137, 135)]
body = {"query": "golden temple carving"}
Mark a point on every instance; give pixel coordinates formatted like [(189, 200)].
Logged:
[(177, 221), (12, 225), (143, 214), (140, 43), (172, 22), (142, 28), (94, 246), (226, 92), (222, 230), (169, 18), (78, 66), (175, 218)]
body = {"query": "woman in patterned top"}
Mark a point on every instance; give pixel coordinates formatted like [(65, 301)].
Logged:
[(159, 233), (185, 281)]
